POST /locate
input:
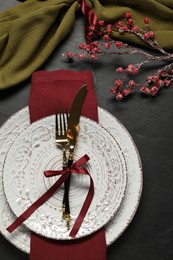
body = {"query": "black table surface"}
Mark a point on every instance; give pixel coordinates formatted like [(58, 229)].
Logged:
[(148, 120)]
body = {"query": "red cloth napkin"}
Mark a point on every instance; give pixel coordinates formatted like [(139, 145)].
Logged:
[(50, 91), (57, 89)]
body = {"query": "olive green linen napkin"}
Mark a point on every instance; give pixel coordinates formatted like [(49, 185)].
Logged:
[(31, 30)]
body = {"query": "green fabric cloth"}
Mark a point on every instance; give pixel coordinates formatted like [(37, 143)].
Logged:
[(30, 31)]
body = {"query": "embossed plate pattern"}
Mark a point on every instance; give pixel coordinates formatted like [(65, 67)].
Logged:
[(21, 237), (35, 151)]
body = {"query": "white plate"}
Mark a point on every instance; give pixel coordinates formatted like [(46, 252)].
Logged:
[(34, 151), (18, 122)]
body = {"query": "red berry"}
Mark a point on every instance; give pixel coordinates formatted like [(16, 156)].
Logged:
[(106, 37), (125, 92), (127, 70), (109, 28), (151, 35), (134, 28), (146, 20), (171, 72), (155, 78), (131, 66), (167, 82), (112, 90), (95, 44), (95, 50), (130, 21), (132, 83), (154, 90), (101, 23), (81, 56), (122, 29), (119, 70), (119, 96), (70, 55), (119, 23), (145, 90), (146, 36), (94, 57), (107, 45), (135, 71), (81, 46), (88, 47), (91, 28), (128, 15), (160, 83), (118, 83), (150, 78), (163, 73), (119, 44)]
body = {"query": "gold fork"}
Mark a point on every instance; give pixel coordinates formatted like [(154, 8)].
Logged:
[(61, 140)]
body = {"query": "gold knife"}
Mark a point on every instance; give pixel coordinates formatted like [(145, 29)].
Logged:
[(72, 135)]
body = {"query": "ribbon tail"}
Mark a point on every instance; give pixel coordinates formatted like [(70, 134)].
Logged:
[(27, 213), (84, 209)]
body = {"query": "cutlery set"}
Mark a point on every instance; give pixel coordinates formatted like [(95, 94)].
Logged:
[(66, 135)]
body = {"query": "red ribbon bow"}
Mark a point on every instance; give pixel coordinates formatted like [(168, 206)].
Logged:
[(75, 168)]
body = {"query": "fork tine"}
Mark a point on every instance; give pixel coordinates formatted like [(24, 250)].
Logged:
[(60, 122), (67, 114), (56, 123), (64, 124)]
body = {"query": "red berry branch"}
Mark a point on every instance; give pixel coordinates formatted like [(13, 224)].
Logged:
[(125, 85)]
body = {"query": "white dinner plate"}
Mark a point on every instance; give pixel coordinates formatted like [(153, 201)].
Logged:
[(34, 151), (16, 124)]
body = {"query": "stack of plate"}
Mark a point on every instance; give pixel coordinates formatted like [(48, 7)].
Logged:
[(26, 151)]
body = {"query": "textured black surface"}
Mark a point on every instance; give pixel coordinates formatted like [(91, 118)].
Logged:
[(150, 123)]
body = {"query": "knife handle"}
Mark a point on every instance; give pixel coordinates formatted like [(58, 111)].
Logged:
[(66, 197)]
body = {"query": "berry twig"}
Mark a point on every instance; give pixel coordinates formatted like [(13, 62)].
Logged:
[(125, 86)]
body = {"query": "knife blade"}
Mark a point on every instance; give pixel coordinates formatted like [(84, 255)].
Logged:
[(73, 121), (72, 135)]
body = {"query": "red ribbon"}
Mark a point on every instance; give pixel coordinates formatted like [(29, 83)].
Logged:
[(90, 17), (75, 168)]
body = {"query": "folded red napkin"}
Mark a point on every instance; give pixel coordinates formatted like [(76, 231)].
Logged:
[(50, 91), (57, 89)]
